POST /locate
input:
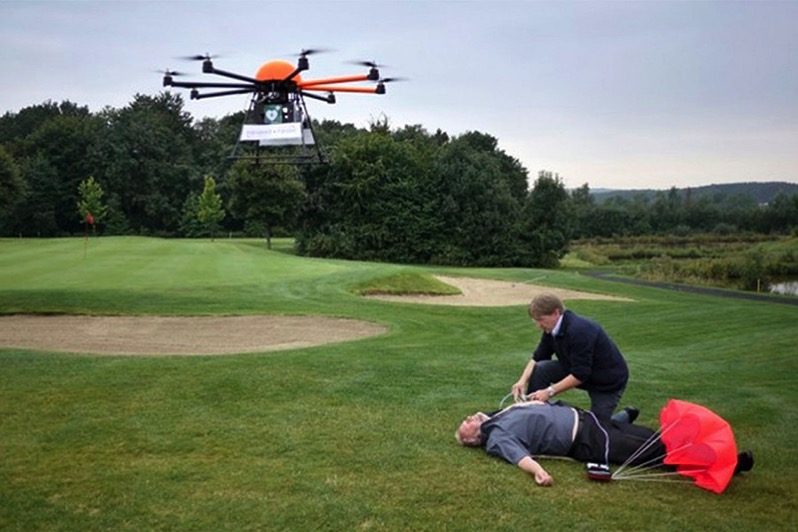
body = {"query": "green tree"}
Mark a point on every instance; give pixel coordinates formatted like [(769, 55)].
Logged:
[(215, 140), (190, 224), (411, 197), (54, 158), (584, 208), (36, 216), (145, 155), (482, 195), (375, 201), (781, 214), (209, 209), (547, 225), (90, 195), (610, 220), (16, 127), (667, 210), (701, 214), (12, 191), (266, 195)]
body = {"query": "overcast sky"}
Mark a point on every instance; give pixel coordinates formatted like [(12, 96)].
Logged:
[(623, 94)]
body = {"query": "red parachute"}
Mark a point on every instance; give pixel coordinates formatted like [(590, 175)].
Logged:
[(699, 443)]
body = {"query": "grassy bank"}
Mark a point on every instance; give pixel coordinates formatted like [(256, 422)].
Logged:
[(744, 262)]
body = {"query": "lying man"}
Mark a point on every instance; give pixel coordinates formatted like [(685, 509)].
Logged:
[(535, 428)]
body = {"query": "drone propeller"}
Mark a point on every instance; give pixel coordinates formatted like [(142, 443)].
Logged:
[(391, 80), (198, 57), (311, 51), (370, 64), (171, 73), (380, 88)]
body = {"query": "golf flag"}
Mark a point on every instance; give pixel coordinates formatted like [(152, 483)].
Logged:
[(89, 218)]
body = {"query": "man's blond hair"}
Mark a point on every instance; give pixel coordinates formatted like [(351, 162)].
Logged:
[(545, 304)]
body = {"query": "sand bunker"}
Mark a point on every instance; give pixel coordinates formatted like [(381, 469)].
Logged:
[(160, 335), (490, 293)]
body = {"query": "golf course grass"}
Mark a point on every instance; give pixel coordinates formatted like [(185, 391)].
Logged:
[(356, 435)]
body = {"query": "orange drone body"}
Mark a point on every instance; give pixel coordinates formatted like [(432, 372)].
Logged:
[(277, 70)]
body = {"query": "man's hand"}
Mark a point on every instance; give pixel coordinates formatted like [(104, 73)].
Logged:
[(542, 478), (539, 395), (518, 389)]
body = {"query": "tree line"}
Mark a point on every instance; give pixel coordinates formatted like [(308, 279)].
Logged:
[(391, 194)]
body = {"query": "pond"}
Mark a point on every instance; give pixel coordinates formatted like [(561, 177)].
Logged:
[(788, 288)]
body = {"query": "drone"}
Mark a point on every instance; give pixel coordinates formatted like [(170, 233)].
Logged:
[(277, 114)]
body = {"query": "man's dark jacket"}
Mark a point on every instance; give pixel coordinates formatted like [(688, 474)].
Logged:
[(586, 352)]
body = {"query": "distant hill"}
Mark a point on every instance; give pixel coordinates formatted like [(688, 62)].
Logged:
[(760, 192)]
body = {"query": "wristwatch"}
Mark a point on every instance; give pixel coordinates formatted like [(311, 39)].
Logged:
[(551, 391)]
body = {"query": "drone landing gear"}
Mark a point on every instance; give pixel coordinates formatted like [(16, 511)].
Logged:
[(285, 129), (286, 159)]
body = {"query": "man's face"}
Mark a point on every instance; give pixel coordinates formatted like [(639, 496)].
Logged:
[(547, 322), (469, 428)]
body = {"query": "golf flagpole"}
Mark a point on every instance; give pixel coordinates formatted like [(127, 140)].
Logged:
[(89, 220)]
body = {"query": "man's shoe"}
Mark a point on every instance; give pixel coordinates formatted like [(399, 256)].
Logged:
[(632, 412), (745, 462), (626, 415)]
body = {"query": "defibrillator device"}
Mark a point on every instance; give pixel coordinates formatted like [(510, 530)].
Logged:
[(599, 472)]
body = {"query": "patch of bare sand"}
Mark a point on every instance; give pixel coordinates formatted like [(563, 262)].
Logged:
[(491, 293), (160, 335)]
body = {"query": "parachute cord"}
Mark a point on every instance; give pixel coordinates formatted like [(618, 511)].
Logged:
[(643, 448), (657, 478), (639, 469), (651, 475)]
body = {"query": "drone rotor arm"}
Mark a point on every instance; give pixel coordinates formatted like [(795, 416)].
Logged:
[(232, 75), (301, 67), (329, 98), (336, 88), (311, 83), (198, 96), (212, 85)]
